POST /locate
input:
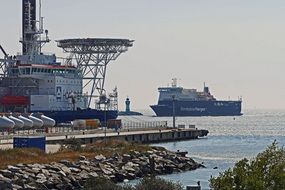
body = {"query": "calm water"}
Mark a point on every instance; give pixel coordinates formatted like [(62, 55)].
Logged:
[(230, 139)]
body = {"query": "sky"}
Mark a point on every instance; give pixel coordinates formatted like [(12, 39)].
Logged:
[(236, 46)]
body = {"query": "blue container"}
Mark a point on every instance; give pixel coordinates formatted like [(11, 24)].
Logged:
[(30, 142)]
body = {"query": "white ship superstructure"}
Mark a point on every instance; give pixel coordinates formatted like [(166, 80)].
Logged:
[(38, 82)]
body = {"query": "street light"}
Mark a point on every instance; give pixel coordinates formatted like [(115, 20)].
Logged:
[(104, 100), (173, 110), (105, 118)]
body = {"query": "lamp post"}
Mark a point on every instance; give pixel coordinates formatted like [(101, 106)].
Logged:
[(173, 110), (105, 121), (103, 100)]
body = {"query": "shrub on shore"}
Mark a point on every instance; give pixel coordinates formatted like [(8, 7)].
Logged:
[(157, 184), (150, 183), (266, 171)]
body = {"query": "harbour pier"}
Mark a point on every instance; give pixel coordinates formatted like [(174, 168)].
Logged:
[(144, 136)]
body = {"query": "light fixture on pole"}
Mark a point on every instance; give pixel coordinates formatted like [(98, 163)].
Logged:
[(173, 110)]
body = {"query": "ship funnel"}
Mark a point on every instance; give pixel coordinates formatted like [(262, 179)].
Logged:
[(174, 83), (206, 89)]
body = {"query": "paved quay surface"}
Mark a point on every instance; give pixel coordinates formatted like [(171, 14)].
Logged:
[(110, 134), (53, 140)]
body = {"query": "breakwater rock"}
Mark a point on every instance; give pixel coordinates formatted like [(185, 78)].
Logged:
[(73, 175)]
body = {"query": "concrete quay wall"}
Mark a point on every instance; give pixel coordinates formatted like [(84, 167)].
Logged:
[(151, 136)]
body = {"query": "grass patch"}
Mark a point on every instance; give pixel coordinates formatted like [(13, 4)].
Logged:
[(30, 156)]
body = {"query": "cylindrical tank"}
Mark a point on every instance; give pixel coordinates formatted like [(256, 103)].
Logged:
[(38, 123), (92, 123), (18, 123), (114, 123), (48, 122), (6, 123), (79, 124), (27, 122), (86, 123)]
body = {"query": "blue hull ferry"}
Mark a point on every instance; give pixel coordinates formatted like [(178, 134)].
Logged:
[(190, 102)]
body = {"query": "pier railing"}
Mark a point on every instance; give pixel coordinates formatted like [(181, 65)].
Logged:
[(69, 130), (143, 125)]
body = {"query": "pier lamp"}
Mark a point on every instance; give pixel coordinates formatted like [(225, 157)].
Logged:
[(105, 102), (173, 110)]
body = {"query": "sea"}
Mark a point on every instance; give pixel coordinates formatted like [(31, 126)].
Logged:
[(230, 139)]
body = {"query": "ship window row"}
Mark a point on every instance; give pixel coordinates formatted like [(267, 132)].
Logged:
[(68, 81), (60, 71), (27, 71)]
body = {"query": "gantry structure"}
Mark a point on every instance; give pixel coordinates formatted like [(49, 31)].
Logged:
[(92, 55)]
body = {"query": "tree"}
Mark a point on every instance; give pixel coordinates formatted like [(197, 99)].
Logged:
[(266, 172)]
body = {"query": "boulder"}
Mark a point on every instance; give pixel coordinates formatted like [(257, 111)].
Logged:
[(66, 170), (82, 158), (120, 177), (7, 173), (99, 158), (74, 170), (126, 157), (13, 168)]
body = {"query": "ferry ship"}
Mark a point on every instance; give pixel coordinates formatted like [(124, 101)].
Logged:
[(34, 81), (179, 101)]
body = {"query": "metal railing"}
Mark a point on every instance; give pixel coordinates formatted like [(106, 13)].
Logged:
[(143, 125)]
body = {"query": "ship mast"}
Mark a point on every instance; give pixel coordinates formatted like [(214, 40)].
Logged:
[(32, 29)]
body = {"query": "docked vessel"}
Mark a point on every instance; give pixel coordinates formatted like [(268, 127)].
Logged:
[(179, 101), (64, 90)]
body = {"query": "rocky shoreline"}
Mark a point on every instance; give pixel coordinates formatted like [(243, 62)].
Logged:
[(73, 175)]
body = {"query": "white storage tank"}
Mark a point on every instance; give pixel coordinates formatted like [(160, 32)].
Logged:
[(27, 122), (48, 122), (18, 123), (38, 123), (6, 123), (79, 124)]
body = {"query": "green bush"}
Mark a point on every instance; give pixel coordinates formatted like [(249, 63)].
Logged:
[(265, 172), (153, 183), (100, 184), (157, 184), (72, 144)]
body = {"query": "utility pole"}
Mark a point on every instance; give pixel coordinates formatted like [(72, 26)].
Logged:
[(105, 122), (173, 110)]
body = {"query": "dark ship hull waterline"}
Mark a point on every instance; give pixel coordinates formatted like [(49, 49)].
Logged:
[(198, 108), (189, 102), (65, 116)]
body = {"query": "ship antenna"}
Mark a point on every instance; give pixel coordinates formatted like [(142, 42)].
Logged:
[(174, 82), (40, 10)]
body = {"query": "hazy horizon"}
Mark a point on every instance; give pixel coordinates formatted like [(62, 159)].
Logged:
[(235, 46)]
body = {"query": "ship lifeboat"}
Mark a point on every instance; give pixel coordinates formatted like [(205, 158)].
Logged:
[(6, 123), (18, 123), (38, 123), (27, 122)]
